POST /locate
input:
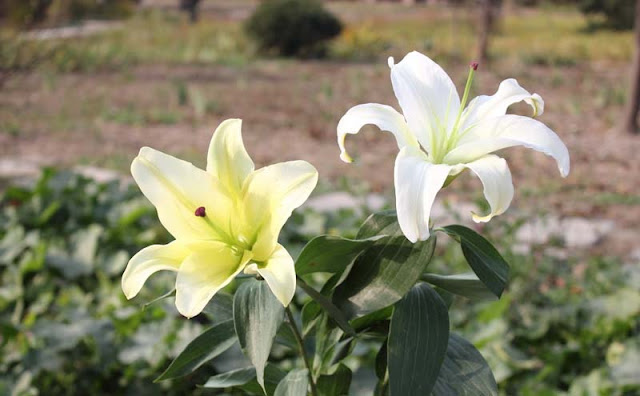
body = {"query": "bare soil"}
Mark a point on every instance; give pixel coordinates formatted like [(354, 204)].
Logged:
[(290, 111)]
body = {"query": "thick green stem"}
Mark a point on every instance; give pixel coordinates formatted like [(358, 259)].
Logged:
[(298, 337)]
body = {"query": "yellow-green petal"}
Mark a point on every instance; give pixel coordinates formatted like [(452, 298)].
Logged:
[(270, 195), (148, 261), (227, 159), (280, 274), (209, 268), (177, 189)]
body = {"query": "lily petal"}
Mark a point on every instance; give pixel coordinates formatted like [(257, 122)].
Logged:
[(227, 159), (384, 117), (280, 274), (495, 176), (210, 267), (177, 188), (148, 261), (270, 196), (417, 182), (496, 133), (509, 92), (428, 97)]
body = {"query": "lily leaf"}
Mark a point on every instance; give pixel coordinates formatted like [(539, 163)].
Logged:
[(483, 258), (294, 384), (418, 340), (203, 348), (464, 371), (385, 272), (231, 378), (257, 314), (332, 254), (220, 308), (168, 294), (466, 285), (336, 384), (328, 306)]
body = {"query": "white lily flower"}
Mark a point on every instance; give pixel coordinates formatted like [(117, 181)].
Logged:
[(224, 220), (438, 138)]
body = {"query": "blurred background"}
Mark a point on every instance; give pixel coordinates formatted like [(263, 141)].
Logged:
[(85, 83)]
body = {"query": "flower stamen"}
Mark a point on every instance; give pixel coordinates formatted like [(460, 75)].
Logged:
[(200, 212)]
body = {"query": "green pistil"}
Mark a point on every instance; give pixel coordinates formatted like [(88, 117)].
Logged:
[(454, 134), (465, 96)]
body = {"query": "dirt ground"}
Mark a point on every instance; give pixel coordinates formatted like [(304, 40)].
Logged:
[(291, 109)]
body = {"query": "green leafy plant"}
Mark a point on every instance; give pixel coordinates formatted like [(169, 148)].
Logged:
[(292, 27), (618, 14)]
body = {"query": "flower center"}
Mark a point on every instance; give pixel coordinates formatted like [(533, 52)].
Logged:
[(452, 138)]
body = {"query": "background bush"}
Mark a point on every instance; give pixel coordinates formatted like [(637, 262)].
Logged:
[(24, 14), (618, 14), (292, 27)]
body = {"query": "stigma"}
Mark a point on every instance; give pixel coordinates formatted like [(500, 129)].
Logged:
[(201, 212)]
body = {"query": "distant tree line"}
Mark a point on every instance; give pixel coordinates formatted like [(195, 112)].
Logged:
[(30, 13)]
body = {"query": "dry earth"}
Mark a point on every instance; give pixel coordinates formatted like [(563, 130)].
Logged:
[(290, 111)]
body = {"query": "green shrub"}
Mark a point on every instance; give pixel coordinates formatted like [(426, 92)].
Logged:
[(293, 27), (101, 9), (24, 13), (618, 13)]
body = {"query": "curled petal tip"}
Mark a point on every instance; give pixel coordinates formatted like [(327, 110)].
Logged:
[(344, 156), (482, 219), (391, 62)]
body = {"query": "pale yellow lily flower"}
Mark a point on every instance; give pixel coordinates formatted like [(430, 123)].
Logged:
[(224, 220), (438, 138)]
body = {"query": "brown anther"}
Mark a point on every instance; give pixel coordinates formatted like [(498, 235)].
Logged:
[(201, 212), (474, 65)]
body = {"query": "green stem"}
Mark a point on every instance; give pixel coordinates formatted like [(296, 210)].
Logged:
[(298, 337)]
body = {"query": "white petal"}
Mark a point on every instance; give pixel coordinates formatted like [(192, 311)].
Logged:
[(495, 176), (509, 92), (280, 275), (227, 158), (270, 195), (210, 267), (148, 261), (416, 182), (177, 188), (384, 117), (497, 133), (428, 97)]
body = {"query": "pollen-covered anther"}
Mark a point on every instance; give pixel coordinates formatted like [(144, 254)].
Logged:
[(201, 212)]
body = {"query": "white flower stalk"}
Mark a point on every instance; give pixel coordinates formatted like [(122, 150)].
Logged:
[(224, 220), (439, 137)]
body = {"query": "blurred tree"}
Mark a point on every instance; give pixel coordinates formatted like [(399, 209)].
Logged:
[(489, 10), (24, 13), (191, 6), (631, 117), (618, 13)]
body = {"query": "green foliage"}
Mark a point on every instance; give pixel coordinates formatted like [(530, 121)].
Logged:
[(100, 9), (418, 339), (562, 326), (25, 13), (461, 359), (257, 315), (618, 14), (292, 27), (373, 282), (483, 258), (65, 324)]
